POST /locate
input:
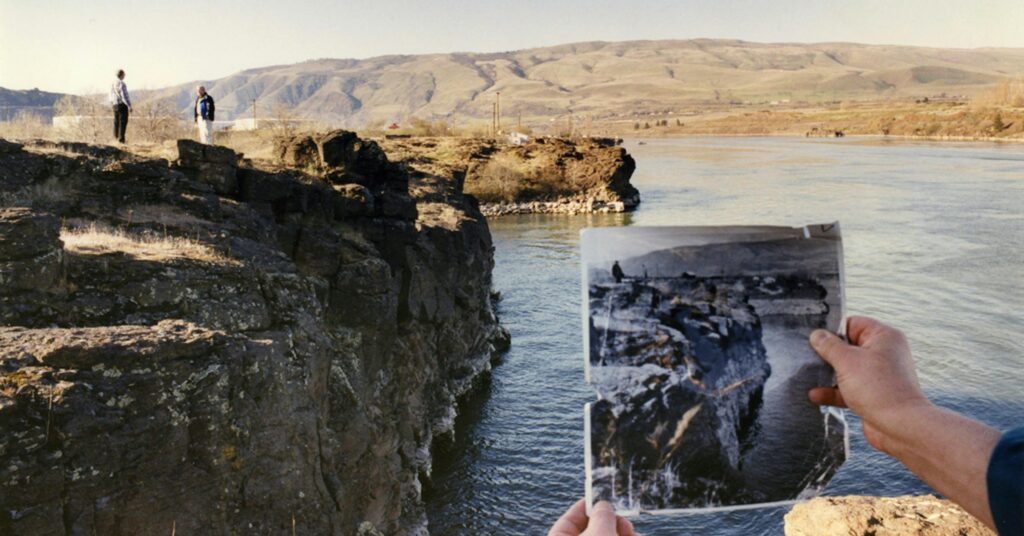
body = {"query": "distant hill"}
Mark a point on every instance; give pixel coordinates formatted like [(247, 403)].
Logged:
[(601, 79), (14, 101)]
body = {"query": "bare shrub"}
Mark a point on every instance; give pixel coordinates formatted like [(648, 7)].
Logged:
[(83, 119), (510, 178), (157, 121)]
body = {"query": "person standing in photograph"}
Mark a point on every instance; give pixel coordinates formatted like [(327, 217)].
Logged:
[(122, 105), (204, 109)]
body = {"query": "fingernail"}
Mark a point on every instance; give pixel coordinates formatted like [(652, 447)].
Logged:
[(604, 505), (819, 336)]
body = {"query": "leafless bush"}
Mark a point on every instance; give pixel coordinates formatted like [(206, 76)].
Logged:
[(157, 121), (510, 178), (82, 119)]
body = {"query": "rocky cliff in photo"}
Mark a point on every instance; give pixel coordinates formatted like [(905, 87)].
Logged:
[(203, 347), (544, 175)]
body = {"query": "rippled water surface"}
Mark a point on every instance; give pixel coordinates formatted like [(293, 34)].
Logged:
[(932, 238)]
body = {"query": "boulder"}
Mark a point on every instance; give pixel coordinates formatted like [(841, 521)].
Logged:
[(344, 151), (924, 515), (299, 152), (210, 164)]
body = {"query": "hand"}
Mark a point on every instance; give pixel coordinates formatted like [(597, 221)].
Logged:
[(603, 522), (875, 376), (130, 110)]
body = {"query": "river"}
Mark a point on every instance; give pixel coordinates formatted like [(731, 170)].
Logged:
[(933, 244)]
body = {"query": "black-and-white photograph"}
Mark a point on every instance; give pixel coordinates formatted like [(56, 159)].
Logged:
[(696, 343)]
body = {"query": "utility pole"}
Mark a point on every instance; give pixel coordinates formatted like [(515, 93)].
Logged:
[(254, 114), (497, 111), (519, 124), (494, 120)]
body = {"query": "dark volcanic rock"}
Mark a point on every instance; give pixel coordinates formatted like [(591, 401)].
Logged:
[(212, 164), (544, 175), (680, 367), (229, 359)]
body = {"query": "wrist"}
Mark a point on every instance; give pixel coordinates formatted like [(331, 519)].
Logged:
[(898, 430)]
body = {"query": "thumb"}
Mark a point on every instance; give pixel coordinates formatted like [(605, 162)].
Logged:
[(602, 520), (834, 350)]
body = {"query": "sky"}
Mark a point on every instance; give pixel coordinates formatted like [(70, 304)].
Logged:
[(76, 46)]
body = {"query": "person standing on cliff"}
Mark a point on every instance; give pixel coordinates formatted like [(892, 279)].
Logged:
[(617, 272), (204, 109), (122, 105)]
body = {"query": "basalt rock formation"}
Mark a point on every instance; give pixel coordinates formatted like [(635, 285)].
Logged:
[(544, 175), (882, 516), (680, 368), (205, 347)]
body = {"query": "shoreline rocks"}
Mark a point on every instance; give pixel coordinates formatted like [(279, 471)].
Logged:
[(231, 348), (925, 515), (542, 176)]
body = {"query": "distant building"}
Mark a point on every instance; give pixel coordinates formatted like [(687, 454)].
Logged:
[(517, 138)]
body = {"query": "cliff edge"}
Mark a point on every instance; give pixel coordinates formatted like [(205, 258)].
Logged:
[(202, 346)]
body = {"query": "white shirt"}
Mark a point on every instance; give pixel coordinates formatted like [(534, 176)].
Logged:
[(119, 93)]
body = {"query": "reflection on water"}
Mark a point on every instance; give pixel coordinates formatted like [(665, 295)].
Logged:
[(932, 238)]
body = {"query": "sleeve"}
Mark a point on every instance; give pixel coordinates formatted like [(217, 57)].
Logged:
[(1006, 483), (124, 90)]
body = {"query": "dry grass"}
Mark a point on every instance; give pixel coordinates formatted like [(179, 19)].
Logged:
[(24, 126), (508, 178), (98, 239), (921, 119)]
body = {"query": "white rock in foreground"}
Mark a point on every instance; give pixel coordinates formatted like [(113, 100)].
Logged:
[(924, 515)]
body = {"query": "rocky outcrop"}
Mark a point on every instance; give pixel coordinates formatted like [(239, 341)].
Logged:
[(882, 516), (545, 175), (205, 347), (680, 370)]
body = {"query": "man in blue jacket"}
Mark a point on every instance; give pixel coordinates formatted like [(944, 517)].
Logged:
[(204, 109)]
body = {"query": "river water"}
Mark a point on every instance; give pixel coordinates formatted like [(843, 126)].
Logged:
[(933, 236)]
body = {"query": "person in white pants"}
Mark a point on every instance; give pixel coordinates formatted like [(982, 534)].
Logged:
[(204, 110)]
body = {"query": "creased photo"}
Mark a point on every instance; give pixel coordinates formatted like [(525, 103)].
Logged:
[(696, 346)]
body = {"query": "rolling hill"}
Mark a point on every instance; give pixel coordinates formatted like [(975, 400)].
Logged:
[(602, 79)]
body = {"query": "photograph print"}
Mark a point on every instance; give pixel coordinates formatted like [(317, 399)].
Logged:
[(696, 344)]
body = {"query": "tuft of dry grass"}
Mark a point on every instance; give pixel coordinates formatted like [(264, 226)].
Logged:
[(510, 178), (99, 239), (24, 126)]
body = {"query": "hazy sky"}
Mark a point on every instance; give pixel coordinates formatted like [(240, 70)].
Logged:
[(74, 46)]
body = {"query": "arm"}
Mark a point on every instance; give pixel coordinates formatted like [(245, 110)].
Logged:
[(124, 95), (877, 381)]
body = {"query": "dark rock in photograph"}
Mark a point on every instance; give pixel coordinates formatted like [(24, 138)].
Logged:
[(699, 357)]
